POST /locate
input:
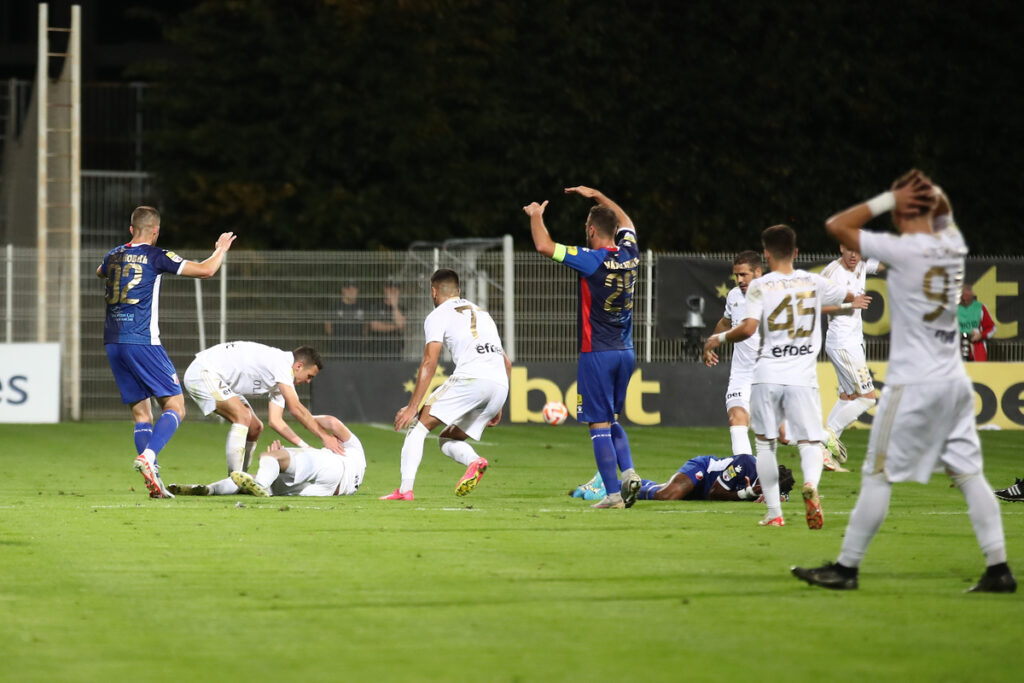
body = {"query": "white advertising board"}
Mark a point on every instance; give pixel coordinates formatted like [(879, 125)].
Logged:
[(30, 383)]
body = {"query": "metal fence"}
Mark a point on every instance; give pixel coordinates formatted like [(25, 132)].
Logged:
[(284, 299)]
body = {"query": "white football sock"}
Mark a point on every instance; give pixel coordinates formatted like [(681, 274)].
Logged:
[(845, 413), (866, 518), (768, 473), (412, 454), (234, 447), (459, 451), (740, 440), (983, 509), (224, 487), (250, 446), (268, 470), (811, 462)]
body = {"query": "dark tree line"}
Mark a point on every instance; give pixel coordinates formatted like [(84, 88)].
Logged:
[(362, 124)]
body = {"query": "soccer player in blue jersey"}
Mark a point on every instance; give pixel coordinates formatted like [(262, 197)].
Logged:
[(131, 334), (607, 267)]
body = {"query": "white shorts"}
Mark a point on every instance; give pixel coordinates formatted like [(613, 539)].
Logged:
[(918, 425), (799, 406), (467, 403), (207, 388), (738, 393), (851, 369), (320, 472)]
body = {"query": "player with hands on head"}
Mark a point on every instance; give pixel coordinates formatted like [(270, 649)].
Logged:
[(131, 335), (468, 401), (786, 306), (925, 415), (607, 268)]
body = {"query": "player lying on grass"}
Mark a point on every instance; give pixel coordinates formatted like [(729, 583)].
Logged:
[(295, 471), (702, 478)]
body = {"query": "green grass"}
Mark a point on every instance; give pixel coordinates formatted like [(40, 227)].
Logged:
[(516, 582)]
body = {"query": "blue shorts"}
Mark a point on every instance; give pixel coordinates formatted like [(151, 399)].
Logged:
[(141, 371), (602, 378)]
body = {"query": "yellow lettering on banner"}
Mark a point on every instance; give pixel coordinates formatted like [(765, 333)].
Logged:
[(519, 391), (635, 400), (986, 289), (878, 290), (998, 392)]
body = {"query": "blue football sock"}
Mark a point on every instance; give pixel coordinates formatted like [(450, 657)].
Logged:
[(647, 489), (143, 433), (622, 451), (604, 454), (163, 430)]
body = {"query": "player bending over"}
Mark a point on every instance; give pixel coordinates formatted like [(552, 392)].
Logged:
[(303, 471)]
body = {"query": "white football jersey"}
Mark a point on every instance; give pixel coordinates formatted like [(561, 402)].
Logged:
[(744, 354), (250, 369), (926, 273), (470, 335), (848, 329), (788, 308)]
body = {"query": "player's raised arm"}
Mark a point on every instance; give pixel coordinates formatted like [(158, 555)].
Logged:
[(914, 194), (598, 196), (541, 239), (211, 265)]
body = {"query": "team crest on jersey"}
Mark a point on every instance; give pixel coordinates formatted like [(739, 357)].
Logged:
[(174, 257), (700, 476)]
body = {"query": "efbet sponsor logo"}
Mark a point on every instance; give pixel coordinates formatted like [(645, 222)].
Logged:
[(525, 391), (792, 350)]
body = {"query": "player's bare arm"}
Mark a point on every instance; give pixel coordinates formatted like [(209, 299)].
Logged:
[(305, 418), (211, 265), (541, 239), (915, 195), (275, 419), (431, 354), (744, 330), (603, 200)]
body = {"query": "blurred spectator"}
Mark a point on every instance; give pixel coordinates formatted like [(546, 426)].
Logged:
[(387, 325), (346, 324), (975, 322)]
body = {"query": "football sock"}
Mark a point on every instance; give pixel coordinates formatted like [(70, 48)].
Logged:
[(768, 473), (811, 462), (268, 470), (983, 509), (647, 489), (604, 454), (143, 433), (224, 487), (459, 451), (234, 447), (866, 518), (623, 453), (844, 413), (412, 454), (250, 446), (163, 430), (740, 440)]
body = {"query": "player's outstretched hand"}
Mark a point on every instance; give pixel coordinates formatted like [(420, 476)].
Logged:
[(495, 420), (861, 301), (275, 445), (710, 357), (583, 191), (331, 443), (225, 241), (404, 417), (534, 209)]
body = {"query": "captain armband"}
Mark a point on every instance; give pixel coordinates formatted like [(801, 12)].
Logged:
[(559, 254)]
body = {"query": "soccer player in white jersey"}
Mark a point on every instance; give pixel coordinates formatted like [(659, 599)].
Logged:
[(469, 400), (745, 267), (786, 305), (295, 471), (844, 344), (926, 413), (220, 378)]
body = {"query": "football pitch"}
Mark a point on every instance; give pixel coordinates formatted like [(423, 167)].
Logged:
[(515, 582)]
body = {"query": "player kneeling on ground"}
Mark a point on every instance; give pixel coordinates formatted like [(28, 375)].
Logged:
[(296, 471), (709, 478)]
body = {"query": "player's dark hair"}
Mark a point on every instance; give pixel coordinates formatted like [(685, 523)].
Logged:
[(748, 258), (779, 241), (145, 218), (785, 480), (308, 356), (603, 219), (446, 281)]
